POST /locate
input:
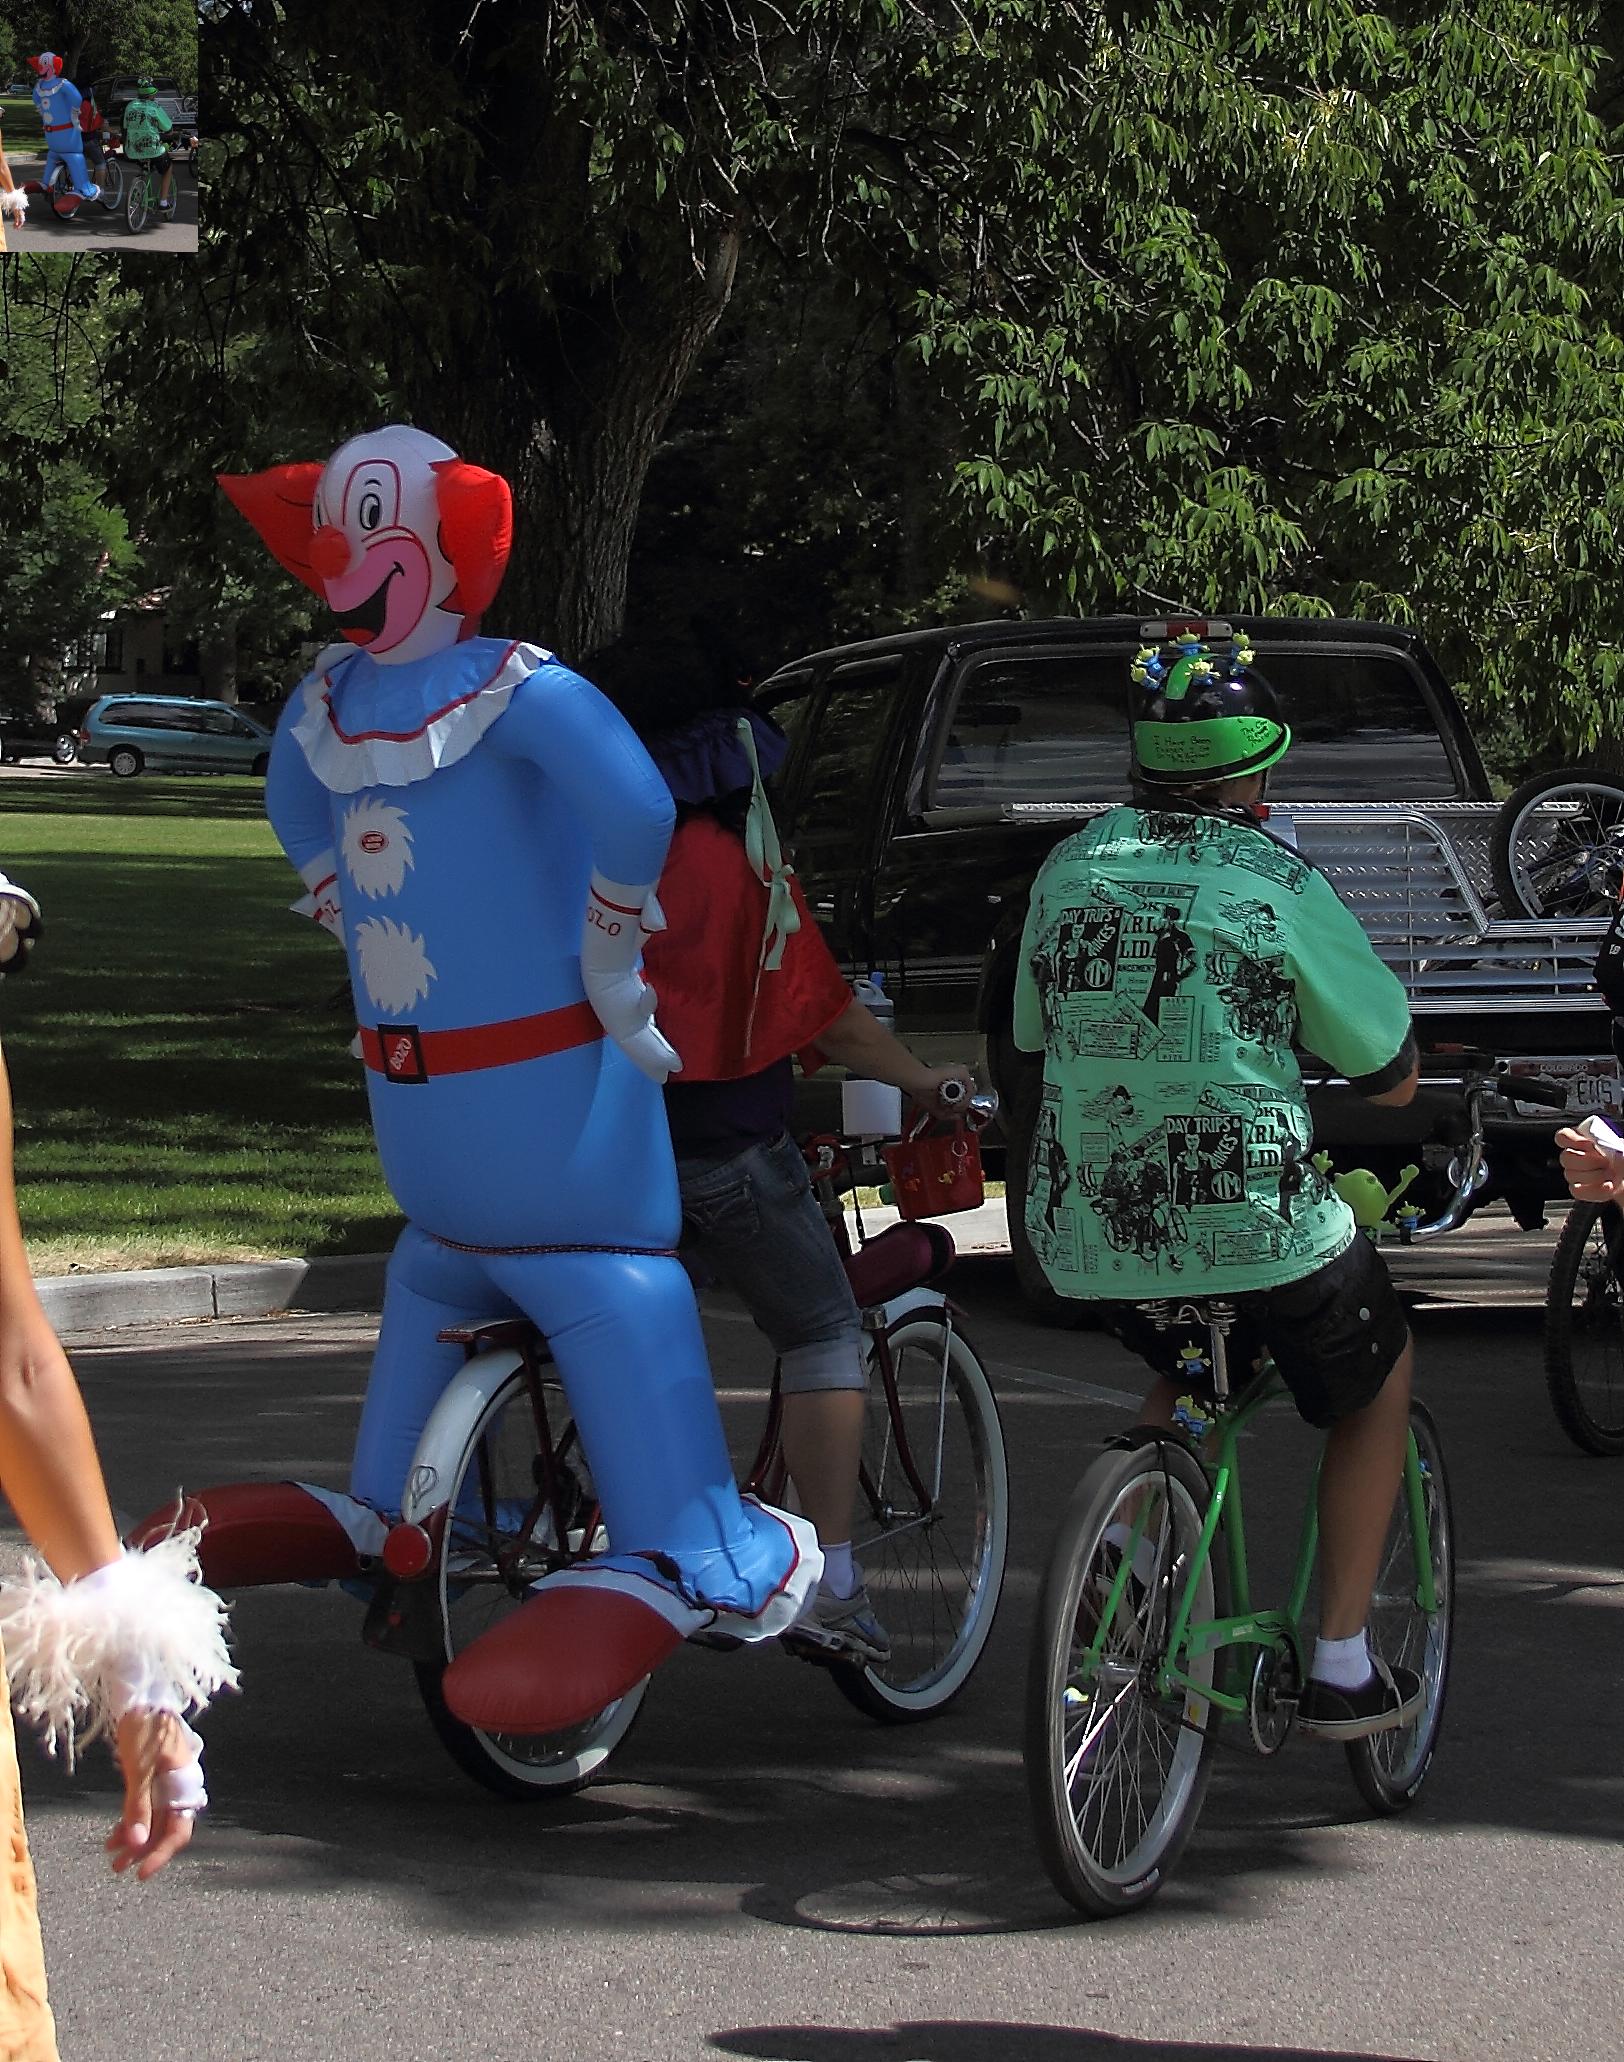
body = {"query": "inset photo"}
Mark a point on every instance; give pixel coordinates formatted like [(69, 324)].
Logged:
[(98, 127)]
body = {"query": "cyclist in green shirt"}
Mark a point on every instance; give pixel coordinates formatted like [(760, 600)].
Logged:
[(1175, 953), (147, 130)]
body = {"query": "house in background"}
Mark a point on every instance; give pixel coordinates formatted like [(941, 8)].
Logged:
[(135, 652)]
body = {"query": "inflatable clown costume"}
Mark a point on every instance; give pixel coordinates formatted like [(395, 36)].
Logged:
[(58, 101), (484, 832)]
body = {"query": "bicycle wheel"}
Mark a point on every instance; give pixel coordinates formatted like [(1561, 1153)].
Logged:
[(1390, 1768), (498, 1541), (64, 201), (932, 1529), (1116, 1773), (1559, 845), (137, 200), (1584, 1329), (110, 184)]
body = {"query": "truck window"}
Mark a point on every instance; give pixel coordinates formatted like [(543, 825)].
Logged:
[(789, 701), (840, 755), (1361, 729), (1037, 727)]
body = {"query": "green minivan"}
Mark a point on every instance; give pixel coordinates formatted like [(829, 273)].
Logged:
[(171, 734)]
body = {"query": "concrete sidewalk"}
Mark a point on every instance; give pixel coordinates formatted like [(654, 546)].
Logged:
[(262, 1288), (256, 1288)]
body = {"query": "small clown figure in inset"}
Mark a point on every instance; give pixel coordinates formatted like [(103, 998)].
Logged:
[(483, 832)]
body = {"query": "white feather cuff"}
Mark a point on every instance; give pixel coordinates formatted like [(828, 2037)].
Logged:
[(143, 1630)]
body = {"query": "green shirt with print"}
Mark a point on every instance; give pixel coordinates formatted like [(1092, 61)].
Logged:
[(146, 129), (1171, 960)]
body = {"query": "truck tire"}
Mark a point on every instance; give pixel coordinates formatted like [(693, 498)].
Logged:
[(1559, 845), (1020, 1081)]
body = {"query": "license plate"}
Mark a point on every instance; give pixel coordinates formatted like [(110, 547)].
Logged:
[(1592, 1081)]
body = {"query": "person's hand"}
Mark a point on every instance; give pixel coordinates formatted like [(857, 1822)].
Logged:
[(14, 203), (928, 1094), (1593, 1173), (161, 1761)]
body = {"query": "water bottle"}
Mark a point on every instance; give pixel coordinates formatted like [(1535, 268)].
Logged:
[(870, 992), (872, 1109)]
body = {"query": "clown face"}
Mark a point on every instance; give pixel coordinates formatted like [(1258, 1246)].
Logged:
[(404, 541), (377, 548)]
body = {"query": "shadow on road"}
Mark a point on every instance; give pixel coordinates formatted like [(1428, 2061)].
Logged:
[(987, 2040), (749, 1787)]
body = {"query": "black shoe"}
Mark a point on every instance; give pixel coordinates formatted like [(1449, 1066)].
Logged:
[(1391, 1698)]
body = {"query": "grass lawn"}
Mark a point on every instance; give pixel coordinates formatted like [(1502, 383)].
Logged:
[(179, 1046), (19, 119)]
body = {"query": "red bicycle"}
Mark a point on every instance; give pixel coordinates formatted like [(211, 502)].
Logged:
[(500, 1495)]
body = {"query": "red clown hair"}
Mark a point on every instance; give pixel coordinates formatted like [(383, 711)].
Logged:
[(38, 64), (476, 524)]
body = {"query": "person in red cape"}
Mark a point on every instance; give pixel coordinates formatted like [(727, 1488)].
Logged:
[(746, 985)]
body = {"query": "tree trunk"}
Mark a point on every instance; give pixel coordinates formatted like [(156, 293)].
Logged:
[(570, 410), (45, 682)]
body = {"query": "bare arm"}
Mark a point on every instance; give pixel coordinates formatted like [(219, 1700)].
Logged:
[(857, 1041), (52, 1478), (1403, 1092), (48, 1464)]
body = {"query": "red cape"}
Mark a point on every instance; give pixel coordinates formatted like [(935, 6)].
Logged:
[(703, 965)]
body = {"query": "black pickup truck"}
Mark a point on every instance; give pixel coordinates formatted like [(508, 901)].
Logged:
[(930, 772)]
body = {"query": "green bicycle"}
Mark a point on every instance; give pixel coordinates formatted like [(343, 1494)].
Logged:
[(1137, 1660), (143, 178), (1130, 1679)]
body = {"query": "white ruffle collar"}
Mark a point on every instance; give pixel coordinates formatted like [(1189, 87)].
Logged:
[(363, 725)]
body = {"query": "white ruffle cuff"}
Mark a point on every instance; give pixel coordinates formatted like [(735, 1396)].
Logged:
[(143, 1632)]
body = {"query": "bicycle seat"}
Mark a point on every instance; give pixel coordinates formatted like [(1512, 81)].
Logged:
[(905, 1257), (493, 1332)]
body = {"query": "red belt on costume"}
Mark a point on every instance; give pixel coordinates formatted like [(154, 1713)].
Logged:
[(53, 128), (400, 1052)]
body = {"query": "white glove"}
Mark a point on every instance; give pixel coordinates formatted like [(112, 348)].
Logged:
[(19, 925), (618, 919), (15, 204), (321, 904)]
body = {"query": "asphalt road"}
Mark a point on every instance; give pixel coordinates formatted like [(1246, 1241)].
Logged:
[(768, 1874), (92, 228)]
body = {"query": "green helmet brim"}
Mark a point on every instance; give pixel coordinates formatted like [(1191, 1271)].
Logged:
[(1208, 749)]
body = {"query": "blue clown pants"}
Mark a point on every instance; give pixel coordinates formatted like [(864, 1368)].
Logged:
[(74, 159), (625, 1335)]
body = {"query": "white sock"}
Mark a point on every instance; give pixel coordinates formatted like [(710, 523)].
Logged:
[(1344, 1664), (840, 1577), (1144, 1554)]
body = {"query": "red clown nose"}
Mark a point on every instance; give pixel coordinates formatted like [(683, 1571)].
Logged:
[(330, 552)]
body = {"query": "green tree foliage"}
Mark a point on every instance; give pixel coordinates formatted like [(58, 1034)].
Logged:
[(69, 554), (1314, 307), (95, 37), (1308, 306), (520, 227)]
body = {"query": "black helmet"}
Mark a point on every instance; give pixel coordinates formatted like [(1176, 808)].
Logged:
[(1204, 713)]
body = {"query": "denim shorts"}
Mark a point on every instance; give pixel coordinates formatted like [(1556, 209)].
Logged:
[(755, 1221)]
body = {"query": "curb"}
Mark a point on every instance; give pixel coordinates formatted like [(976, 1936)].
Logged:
[(253, 1288), (354, 1282)]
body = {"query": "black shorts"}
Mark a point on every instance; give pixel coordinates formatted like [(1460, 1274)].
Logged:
[(1335, 1335)]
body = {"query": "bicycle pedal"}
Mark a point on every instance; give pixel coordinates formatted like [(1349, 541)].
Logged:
[(820, 1648), (403, 1618), (717, 1642)]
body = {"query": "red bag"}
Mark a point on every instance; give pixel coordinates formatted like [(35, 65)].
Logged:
[(935, 1173)]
